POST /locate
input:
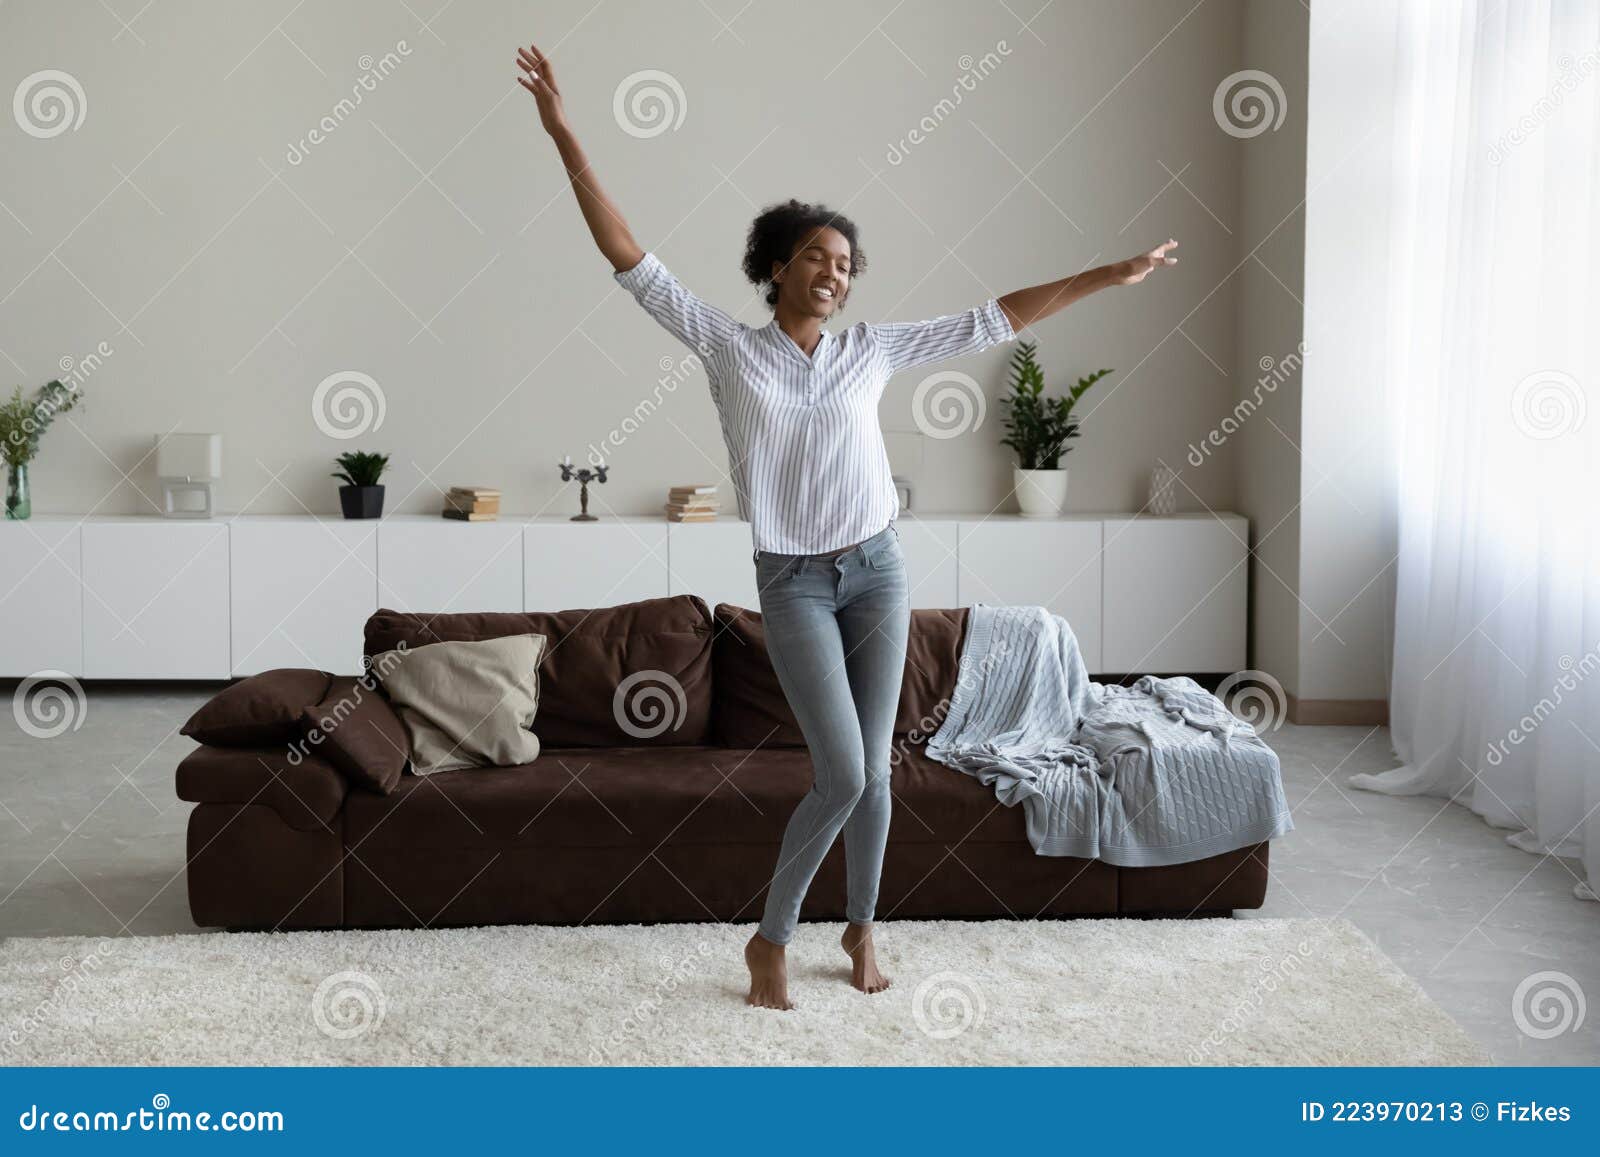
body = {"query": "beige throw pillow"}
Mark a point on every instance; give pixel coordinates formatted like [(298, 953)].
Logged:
[(466, 704)]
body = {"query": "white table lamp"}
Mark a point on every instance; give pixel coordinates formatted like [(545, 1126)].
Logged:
[(189, 467)]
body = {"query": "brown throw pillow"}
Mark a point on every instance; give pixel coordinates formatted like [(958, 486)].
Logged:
[(357, 731), (261, 711), (749, 708), (466, 704)]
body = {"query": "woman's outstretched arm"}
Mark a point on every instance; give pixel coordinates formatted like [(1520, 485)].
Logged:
[(1026, 306), (610, 231)]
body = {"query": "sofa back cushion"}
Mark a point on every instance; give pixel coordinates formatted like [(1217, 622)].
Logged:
[(749, 706), (638, 674)]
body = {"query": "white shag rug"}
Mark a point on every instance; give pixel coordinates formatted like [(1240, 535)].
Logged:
[(1076, 992)]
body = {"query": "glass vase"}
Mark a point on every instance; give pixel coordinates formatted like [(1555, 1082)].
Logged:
[(18, 504)]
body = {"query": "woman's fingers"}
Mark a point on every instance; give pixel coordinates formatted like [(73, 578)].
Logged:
[(530, 59), (546, 70), (532, 62), (1158, 256)]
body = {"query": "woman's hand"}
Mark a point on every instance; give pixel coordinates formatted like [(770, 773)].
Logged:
[(541, 81), (1023, 307), (610, 231), (1136, 269)]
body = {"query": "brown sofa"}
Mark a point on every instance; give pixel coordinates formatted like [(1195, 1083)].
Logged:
[(606, 826)]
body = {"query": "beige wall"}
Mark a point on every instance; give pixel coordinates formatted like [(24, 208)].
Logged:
[(205, 264), (1270, 354), (229, 282)]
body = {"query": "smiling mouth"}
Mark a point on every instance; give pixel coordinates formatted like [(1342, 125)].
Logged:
[(822, 292)]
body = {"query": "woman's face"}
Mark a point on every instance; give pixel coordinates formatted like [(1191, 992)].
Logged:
[(817, 278)]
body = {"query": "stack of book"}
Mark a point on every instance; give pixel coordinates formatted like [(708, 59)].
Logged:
[(472, 503), (692, 504)]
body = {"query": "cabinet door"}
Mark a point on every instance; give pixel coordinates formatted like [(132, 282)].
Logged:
[(713, 560), (1037, 562), (931, 550), (570, 565), (41, 598), (302, 590), (155, 600), (440, 566), (1176, 591)]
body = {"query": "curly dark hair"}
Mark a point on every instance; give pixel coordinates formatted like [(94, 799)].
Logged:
[(779, 228)]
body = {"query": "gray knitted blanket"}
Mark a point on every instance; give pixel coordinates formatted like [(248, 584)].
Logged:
[(1157, 773)]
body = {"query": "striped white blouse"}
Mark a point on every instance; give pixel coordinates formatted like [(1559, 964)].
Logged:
[(808, 462)]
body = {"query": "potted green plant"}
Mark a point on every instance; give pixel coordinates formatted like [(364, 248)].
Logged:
[(1039, 430), (22, 424), (361, 496)]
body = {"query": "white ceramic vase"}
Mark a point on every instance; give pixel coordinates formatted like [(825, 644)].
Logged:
[(1040, 493), (1163, 491)]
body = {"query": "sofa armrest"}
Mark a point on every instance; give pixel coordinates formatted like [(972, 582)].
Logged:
[(305, 791)]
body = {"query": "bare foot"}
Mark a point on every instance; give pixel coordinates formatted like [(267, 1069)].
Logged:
[(769, 974), (864, 974)]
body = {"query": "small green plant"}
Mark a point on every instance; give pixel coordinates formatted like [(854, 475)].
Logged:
[(361, 468), (1039, 428), (22, 422)]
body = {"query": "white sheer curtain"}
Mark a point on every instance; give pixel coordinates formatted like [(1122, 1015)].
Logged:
[(1495, 697)]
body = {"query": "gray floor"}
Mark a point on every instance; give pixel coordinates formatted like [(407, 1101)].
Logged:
[(91, 843)]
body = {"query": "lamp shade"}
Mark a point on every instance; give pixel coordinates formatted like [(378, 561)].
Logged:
[(195, 456)]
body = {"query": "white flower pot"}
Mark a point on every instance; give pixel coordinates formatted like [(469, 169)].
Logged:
[(1040, 493)]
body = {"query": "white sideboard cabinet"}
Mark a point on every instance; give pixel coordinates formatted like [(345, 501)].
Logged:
[(432, 564), (568, 565), (155, 600), (41, 597), (712, 560), (1025, 561), (301, 590), (135, 597), (1176, 594)]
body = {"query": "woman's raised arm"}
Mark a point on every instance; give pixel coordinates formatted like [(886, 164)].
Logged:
[(610, 231), (1026, 306)]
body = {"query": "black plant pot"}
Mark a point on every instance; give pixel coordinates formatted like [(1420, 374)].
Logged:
[(361, 501)]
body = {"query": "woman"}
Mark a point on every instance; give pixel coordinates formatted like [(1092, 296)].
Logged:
[(799, 413)]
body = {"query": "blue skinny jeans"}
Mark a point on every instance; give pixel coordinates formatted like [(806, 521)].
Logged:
[(836, 628)]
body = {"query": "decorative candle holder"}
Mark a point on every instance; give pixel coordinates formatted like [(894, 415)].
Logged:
[(584, 477)]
